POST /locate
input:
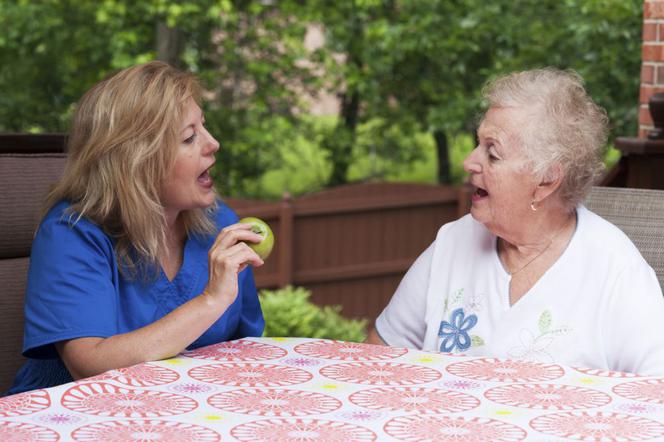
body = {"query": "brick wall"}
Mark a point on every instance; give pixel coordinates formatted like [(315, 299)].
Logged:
[(652, 67)]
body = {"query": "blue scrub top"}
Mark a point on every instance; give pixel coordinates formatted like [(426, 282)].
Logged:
[(75, 289)]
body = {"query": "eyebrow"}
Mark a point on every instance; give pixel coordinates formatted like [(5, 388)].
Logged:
[(192, 125), (489, 132), (187, 127)]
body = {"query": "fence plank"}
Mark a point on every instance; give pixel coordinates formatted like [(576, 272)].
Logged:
[(285, 264), (355, 271)]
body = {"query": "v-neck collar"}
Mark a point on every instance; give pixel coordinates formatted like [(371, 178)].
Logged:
[(507, 278), (188, 275)]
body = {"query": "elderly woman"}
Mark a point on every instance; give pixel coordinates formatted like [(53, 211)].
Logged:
[(135, 259), (531, 273)]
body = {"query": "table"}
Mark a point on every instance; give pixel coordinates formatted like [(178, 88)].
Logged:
[(297, 389)]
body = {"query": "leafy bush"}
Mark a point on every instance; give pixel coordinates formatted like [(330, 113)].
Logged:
[(289, 313)]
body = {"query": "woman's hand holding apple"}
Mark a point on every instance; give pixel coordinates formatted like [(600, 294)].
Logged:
[(228, 256)]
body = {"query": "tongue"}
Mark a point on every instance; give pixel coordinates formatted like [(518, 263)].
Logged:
[(205, 178), (482, 192)]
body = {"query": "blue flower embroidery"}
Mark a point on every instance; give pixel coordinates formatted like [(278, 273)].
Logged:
[(455, 332)]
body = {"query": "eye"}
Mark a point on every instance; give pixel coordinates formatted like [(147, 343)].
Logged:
[(190, 139), (490, 151)]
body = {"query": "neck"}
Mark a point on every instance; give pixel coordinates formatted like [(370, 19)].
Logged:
[(171, 259), (536, 241), (540, 227), (175, 232)]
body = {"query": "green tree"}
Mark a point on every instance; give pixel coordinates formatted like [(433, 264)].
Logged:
[(344, 24), (246, 52), (438, 56), (419, 65), (51, 51), (400, 67), (352, 30), (252, 61), (601, 39)]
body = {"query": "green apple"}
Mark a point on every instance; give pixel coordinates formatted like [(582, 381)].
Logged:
[(263, 248)]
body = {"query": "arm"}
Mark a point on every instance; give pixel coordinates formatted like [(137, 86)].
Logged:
[(172, 333), (403, 322), (251, 322), (374, 338)]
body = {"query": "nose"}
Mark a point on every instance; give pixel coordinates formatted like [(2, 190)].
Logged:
[(471, 164), (212, 145)]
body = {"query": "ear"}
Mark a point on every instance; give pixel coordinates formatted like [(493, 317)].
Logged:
[(549, 183)]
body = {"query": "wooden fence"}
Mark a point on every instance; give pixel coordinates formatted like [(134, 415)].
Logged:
[(351, 245)]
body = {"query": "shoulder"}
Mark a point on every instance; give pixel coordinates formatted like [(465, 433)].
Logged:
[(605, 256), (461, 245), (464, 231), (464, 225), (63, 213), (605, 240), (67, 243), (62, 224)]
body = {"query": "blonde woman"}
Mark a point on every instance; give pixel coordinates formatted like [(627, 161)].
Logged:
[(135, 259)]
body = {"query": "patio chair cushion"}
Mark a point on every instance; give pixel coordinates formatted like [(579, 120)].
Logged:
[(25, 178)]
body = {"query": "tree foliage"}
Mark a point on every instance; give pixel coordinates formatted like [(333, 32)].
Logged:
[(245, 53), (399, 67), (421, 64)]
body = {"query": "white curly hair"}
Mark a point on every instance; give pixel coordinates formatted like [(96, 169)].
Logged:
[(567, 129)]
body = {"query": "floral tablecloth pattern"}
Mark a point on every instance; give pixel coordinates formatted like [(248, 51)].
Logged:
[(297, 389)]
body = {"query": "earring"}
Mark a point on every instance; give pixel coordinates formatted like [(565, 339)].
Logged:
[(532, 206)]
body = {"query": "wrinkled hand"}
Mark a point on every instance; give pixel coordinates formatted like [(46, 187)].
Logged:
[(227, 257)]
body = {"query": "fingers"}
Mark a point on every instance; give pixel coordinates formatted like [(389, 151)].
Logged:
[(231, 235), (243, 254), (224, 267), (234, 258), (228, 256)]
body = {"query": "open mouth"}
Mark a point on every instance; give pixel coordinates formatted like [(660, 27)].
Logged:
[(479, 194), (205, 179)]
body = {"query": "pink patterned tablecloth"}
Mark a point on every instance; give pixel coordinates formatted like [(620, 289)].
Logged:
[(294, 389)]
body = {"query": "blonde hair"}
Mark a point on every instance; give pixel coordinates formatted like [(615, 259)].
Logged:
[(567, 127), (121, 148)]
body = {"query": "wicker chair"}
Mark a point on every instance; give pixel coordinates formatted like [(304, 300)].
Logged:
[(640, 214), (28, 166)]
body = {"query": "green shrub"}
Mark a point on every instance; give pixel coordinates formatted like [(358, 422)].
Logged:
[(289, 313)]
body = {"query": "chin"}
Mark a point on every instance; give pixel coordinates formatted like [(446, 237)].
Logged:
[(208, 199), (476, 214), (482, 217), (200, 204)]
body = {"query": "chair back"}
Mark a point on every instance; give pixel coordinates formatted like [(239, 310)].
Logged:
[(29, 165), (637, 212)]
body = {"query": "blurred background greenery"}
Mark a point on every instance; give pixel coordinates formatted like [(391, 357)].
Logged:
[(403, 76)]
